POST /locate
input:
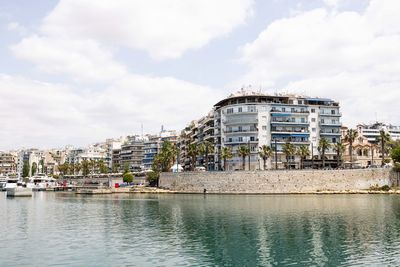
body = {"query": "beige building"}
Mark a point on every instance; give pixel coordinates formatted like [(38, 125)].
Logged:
[(7, 164), (365, 153)]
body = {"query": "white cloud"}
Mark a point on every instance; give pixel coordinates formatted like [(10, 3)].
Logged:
[(82, 59), (163, 28), (41, 114), (353, 57), (16, 27)]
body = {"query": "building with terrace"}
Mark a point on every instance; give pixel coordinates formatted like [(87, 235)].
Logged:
[(254, 119)]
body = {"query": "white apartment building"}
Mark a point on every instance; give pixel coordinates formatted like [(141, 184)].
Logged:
[(255, 119)]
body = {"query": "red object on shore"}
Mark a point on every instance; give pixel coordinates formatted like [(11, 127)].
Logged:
[(116, 185)]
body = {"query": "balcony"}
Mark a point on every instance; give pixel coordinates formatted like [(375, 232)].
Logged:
[(237, 142), (330, 114), (275, 110), (240, 131), (288, 121), (305, 131), (290, 140), (338, 124), (241, 121)]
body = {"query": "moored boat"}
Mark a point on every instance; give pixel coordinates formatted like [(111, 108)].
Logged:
[(16, 188)]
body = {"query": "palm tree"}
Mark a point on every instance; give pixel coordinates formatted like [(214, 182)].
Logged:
[(164, 160), (193, 151), (226, 153), (289, 150), (85, 167), (383, 139), (323, 146), (265, 153), (350, 137), (339, 149), (78, 167), (303, 152), (243, 152), (205, 149), (34, 168)]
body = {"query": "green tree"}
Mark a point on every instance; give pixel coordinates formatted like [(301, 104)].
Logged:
[(126, 167), (226, 154), (205, 149), (166, 157), (243, 152), (384, 140), (289, 150), (323, 146), (92, 165), (34, 168), (350, 137), (77, 168), (115, 168), (339, 149), (193, 152), (25, 169), (102, 166), (265, 153), (63, 168), (303, 152), (128, 177), (395, 154), (85, 167), (152, 178)]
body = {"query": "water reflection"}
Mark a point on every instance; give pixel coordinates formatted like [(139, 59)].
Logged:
[(181, 230)]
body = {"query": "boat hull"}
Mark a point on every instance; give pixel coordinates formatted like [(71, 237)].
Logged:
[(19, 192)]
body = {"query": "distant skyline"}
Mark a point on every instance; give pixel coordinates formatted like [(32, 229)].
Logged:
[(80, 71)]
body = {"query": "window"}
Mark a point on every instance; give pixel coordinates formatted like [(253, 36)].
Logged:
[(322, 121), (264, 128), (230, 139), (334, 140), (229, 110), (292, 110), (333, 122), (300, 102), (314, 130), (313, 119), (303, 120), (240, 128), (240, 139), (313, 110), (252, 138), (240, 109), (283, 109), (333, 112)]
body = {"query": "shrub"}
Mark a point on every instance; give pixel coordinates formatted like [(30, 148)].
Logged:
[(152, 178), (128, 177)]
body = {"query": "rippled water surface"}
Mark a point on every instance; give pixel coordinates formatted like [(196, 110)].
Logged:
[(65, 229)]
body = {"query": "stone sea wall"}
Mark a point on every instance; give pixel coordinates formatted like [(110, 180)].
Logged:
[(277, 182)]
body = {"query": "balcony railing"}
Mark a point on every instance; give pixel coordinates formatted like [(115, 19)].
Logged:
[(290, 111), (240, 131), (287, 121), (241, 121), (289, 131)]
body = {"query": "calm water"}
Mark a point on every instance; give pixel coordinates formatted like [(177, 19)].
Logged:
[(64, 229)]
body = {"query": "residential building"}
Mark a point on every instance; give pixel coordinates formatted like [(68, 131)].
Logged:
[(372, 131), (132, 153), (8, 165), (254, 119)]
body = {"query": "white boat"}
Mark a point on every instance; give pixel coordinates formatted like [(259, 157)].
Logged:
[(3, 182), (40, 182), (16, 188)]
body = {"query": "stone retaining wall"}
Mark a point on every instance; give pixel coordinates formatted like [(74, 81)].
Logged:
[(276, 182)]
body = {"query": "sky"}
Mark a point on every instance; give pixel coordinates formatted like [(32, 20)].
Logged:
[(80, 71)]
